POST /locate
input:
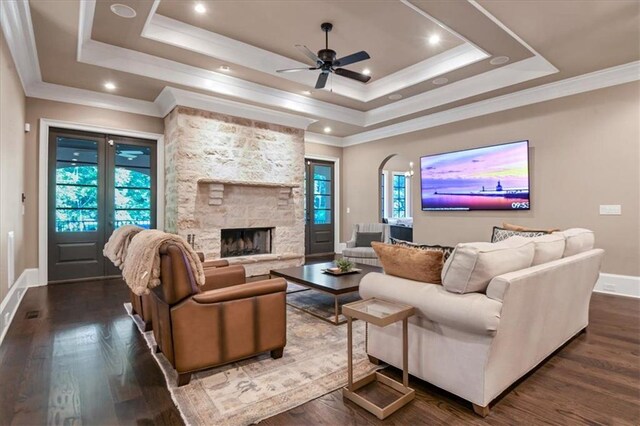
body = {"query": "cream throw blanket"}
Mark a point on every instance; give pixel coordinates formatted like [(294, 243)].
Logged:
[(141, 269), (116, 248)]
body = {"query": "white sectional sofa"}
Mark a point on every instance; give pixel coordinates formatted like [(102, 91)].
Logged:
[(477, 344)]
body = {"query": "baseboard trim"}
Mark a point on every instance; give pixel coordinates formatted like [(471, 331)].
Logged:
[(10, 304), (619, 285)]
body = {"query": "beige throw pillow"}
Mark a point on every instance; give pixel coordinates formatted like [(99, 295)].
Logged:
[(512, 227), (472, 265), (410, 263)]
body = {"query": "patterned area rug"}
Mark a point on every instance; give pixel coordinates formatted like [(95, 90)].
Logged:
[(245, 392), (317, 302)]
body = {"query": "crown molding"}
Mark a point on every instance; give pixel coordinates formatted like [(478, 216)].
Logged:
[(72, 95), (321, 139), (584, 83), (15, 19), (171, 97), (527, 69)]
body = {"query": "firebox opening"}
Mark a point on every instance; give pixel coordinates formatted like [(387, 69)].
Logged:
[(245, 241)]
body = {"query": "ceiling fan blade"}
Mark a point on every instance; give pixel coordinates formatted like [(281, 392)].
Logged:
[(353, 75), (322, 80), (297, 69), (309, 54), (351, 59)]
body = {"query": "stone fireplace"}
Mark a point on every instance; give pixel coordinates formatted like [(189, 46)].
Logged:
[(245, 241), (225, 173)]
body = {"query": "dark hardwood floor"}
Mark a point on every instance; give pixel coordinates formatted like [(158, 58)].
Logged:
[(81, 360)]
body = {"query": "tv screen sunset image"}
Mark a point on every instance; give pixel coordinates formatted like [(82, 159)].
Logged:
[(489, 178)]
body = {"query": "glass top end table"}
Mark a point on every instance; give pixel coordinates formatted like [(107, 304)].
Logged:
[(380, 313)]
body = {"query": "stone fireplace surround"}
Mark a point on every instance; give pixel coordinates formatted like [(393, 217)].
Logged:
[(225, 172)]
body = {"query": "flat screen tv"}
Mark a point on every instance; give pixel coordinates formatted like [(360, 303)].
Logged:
[(489, 178)]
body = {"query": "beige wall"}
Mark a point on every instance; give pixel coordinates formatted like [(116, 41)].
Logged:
[(40, 108), (12, 159), (585, 151)]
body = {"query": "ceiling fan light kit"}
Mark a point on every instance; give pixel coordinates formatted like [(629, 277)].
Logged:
[(325, 61)]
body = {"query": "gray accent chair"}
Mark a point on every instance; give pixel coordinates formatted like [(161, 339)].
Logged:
[(365, 255)]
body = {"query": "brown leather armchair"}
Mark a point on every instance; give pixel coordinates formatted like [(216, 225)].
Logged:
[(225, 320), (141, 305)]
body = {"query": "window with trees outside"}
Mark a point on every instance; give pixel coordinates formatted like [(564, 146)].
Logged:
[(399, 197)]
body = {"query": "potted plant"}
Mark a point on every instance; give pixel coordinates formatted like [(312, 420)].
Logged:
[(344, 265)]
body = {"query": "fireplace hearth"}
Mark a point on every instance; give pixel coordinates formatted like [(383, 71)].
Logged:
[(245, 242)]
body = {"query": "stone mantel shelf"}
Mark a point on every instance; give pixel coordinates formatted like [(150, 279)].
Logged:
[(216, 189), (247, 183)]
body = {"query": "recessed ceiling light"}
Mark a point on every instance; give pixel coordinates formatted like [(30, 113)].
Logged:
[(395, 96), (130, 158), (123, 11), (74, 159), (199, 7), (499, 60), (225, 68), (434, 39), (306, 92), (76, 154), (327, 129), (366, 71), (440, 80), (109, 86)]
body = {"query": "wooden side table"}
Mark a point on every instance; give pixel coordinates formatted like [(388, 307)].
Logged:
[(381, 313)]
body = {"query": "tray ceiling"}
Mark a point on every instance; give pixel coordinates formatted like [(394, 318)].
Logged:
[(168, 45)]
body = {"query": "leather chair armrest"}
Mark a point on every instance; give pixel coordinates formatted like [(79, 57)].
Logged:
[(218, 263), (242, 291), (216, 278)]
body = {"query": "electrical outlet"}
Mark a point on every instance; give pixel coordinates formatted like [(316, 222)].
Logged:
[(610, 287)]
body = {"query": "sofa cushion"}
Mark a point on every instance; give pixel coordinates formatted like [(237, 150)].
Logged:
[(501, 234), (410, 262), (577, 240), (473, 312), (364, 239), (359, 252), (547, 248), (446, 251), (472, 265)]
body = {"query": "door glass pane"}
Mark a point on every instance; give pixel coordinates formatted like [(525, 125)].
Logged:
[(132, 193), (322, 195), (322, 201), (322, 187), (322, 172), (76, 197), (322, 217)]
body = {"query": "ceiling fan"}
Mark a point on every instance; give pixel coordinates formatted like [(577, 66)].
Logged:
[(326, 61)]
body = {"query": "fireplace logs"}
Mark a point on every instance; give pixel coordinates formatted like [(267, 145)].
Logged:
[(245, 242)]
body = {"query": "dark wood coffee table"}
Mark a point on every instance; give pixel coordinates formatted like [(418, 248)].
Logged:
[(311, 276)]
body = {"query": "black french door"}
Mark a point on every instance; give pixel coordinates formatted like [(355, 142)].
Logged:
[(97, 183), (319, 207)]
